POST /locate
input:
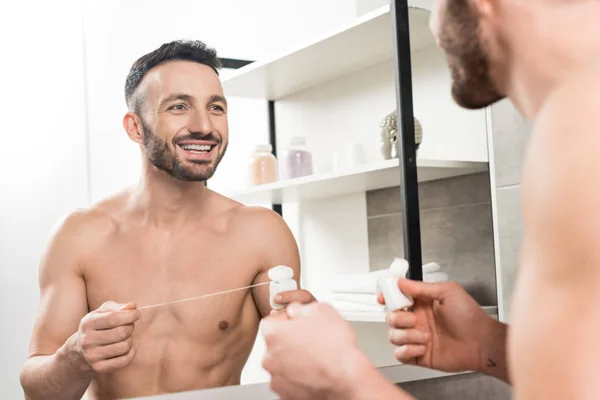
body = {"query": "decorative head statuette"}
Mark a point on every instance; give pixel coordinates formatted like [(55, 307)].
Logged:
[(389, 136)]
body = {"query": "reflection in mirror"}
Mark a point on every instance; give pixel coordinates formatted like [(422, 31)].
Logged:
[(147, 231), (364, 228), (347, 216)]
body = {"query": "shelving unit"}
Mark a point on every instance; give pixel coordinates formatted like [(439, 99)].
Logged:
[(379, 175), (334, 223), (363, 43), (380, 316)]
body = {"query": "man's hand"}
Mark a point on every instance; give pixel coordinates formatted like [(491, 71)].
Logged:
[(447, 330), (104, 341), (312, 353), (302, 296)]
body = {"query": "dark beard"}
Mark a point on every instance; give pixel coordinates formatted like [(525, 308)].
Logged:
[(163, 158), (472, 85)]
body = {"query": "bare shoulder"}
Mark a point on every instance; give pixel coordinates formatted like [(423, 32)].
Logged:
[(239, 217), (559, 197), (260, 229), (94, 221), (77, 234), (560, 249), (566, 132), (259, 222)]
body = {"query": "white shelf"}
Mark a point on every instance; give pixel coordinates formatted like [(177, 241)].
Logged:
[(364, 43), (378, 175), (380, 316)]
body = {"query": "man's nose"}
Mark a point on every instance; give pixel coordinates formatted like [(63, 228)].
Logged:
[(201, 123)]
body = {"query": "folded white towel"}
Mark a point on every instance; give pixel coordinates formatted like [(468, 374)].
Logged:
[(435, 277), (347, 306), (357, 298), (365, 283), (430, 267)]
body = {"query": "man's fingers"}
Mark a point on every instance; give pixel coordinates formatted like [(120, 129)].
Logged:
[(110, 351), (128, 306), (109, 306), (400, 337), (110, 320), (107, 336), (114, 363), (113, 306), (280, 384), (401, 319), (296, 310), (380, 299), (279, 314), (407, 353), (271, 326), (422, 290), (300, 296)]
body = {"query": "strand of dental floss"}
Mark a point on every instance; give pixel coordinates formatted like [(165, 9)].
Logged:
[(280, 280)]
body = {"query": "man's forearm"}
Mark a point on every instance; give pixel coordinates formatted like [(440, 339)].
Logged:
[(364, 382), (494, 360), (59, 376), (376, 386)]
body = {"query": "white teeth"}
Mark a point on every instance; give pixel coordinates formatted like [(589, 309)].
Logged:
[(196, 147)]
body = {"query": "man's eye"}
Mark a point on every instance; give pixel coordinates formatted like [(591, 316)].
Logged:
[(217, 107), (177, 107)]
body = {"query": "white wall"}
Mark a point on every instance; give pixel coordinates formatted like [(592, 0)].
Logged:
[(43, 168)]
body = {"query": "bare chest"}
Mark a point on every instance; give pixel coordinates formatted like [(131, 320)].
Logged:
[(152, 270)]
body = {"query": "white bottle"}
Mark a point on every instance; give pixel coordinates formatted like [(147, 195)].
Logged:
[(394, 298), (281, 281)]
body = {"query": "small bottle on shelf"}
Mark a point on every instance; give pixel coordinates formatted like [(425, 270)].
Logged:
[(262, 166), (298, 159)]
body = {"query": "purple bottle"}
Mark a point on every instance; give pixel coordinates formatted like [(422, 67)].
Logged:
[(298, 159)]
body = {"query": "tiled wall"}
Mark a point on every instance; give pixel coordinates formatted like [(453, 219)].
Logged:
[(456, 231), (508, 136)]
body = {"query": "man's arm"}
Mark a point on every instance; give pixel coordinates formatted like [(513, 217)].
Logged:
[(447, 330), (554, 345), (494, 360), (53, 371), (275, 245), (68, 344)]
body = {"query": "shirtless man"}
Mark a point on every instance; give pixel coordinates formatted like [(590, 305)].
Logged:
[(544, 55), (164, 239)]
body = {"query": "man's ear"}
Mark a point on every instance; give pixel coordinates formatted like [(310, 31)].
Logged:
[(133, 127)]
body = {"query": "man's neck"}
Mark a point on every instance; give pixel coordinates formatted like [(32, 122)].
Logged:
[(166, 202), (537, 70)]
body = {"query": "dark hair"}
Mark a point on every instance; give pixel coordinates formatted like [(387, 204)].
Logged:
[(184, 50)]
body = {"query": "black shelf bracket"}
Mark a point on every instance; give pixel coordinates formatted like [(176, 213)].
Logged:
[(273, 142), (409, 184), (234, 63)]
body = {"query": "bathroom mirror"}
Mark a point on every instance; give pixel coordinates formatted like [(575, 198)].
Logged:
[(325, 90)]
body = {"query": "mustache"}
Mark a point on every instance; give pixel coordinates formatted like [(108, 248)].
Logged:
[(198, 136)]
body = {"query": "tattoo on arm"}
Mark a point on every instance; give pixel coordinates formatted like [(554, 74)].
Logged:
[(491, 363)]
